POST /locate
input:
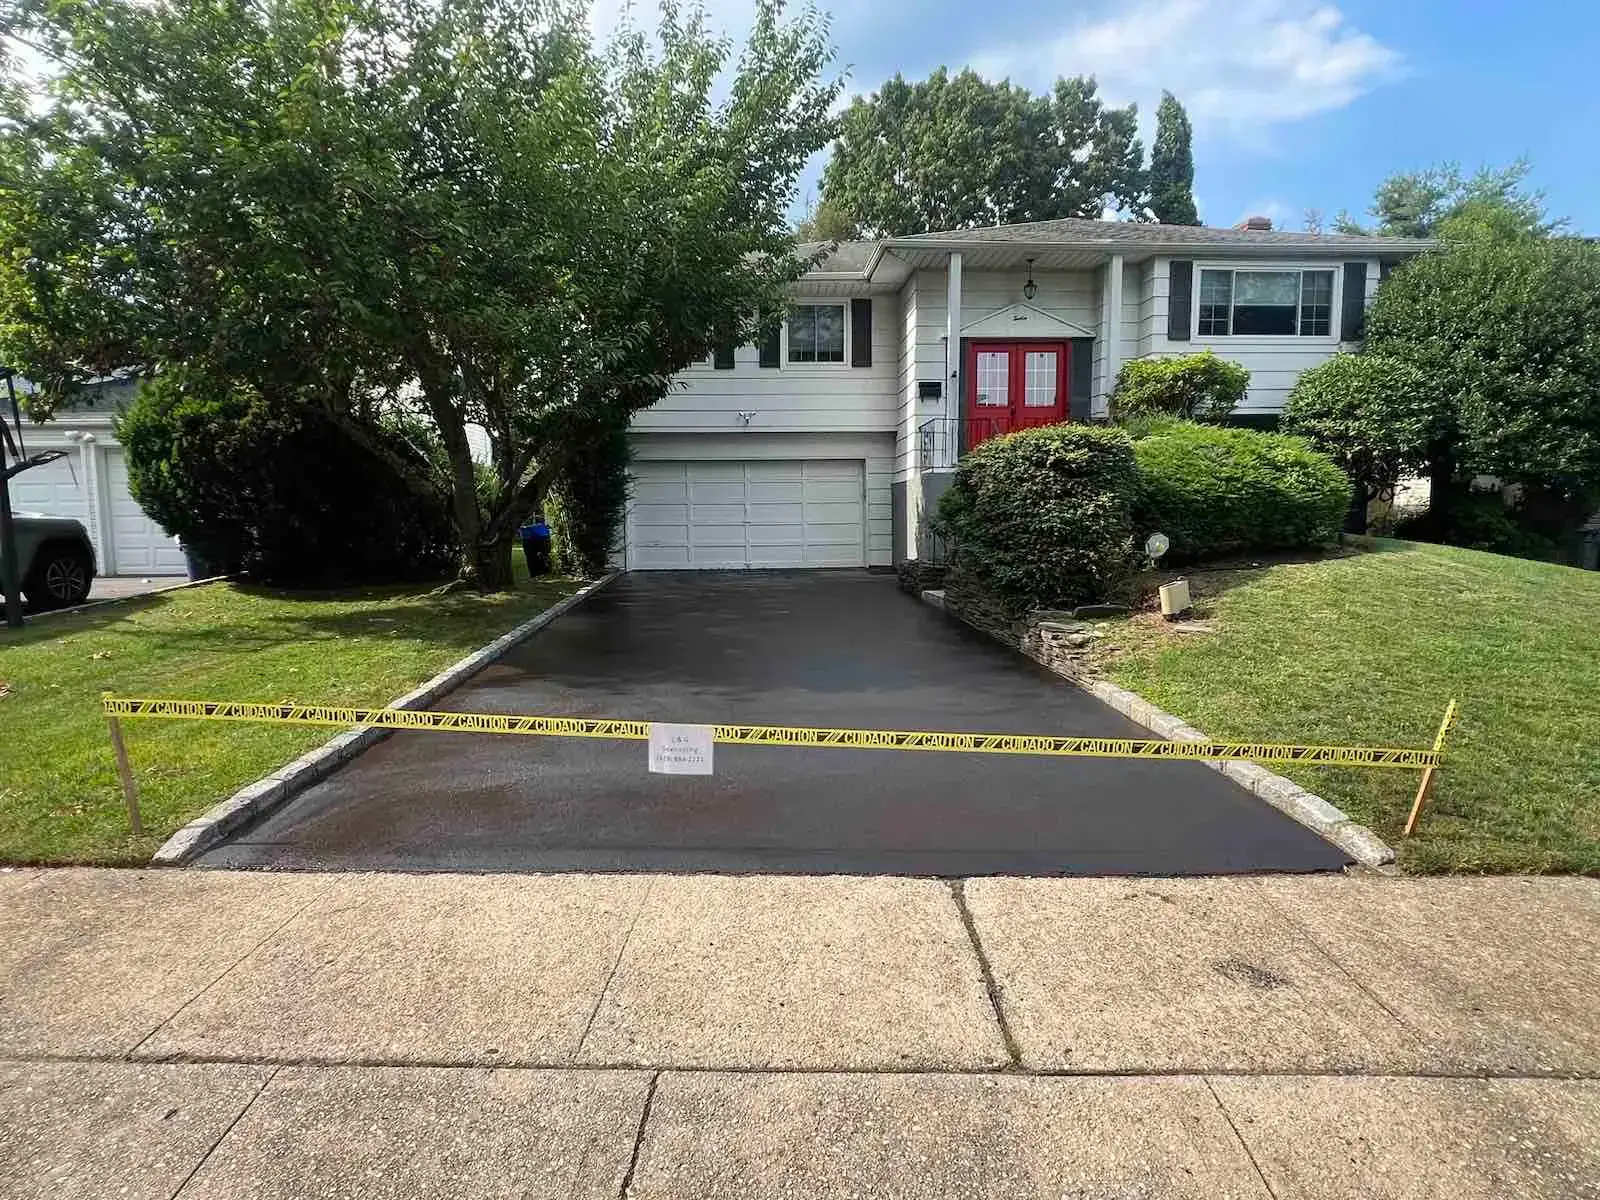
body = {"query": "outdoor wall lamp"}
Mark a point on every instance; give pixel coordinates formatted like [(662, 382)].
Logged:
[(1030, 289)]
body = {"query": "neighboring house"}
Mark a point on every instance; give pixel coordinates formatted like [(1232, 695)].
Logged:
[(827, 445), (91, 483)]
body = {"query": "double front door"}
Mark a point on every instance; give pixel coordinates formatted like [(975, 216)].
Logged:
[(1012, 386)]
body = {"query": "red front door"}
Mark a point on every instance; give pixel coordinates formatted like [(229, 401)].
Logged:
[(1014, 385)]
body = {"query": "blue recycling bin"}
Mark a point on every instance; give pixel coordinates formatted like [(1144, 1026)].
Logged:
[(536, 547)]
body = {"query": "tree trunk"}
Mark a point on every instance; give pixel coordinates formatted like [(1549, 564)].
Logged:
[(488, 563)]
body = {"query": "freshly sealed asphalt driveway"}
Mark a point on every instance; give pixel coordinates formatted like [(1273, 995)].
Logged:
[(842, 649)]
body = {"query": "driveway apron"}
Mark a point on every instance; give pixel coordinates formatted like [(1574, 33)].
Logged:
[(838, 649)]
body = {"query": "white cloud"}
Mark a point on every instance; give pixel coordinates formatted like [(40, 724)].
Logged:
[(1240, 67)]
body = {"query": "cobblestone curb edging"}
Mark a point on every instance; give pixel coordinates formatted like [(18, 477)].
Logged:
[(1285, 795), (261, 797)]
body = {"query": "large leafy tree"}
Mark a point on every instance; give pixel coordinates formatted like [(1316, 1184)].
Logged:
[(1172, 166), (957, 151), (1442, 202), (458, 206), (1504, 334)]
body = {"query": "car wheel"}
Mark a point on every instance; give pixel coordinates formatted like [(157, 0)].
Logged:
[(61, 577)]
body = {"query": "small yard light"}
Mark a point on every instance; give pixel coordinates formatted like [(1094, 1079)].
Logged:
[(1030, 289)]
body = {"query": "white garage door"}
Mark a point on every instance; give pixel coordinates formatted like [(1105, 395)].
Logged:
[(138, 544), (720, 515), (56, 489)]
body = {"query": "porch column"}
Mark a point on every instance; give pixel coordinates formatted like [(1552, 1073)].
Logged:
[(952, 339), (1112, 351)]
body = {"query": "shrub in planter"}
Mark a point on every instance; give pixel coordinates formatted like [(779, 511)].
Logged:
[(270, 486), (1217, 491), (1375, 416), (1199, 387), (1042, 518)]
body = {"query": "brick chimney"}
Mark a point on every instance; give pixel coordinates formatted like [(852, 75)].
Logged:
[(1256, 224)]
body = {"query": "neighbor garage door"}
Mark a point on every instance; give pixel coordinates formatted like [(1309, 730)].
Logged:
[(138, 545), (56, 489), (711, 515)]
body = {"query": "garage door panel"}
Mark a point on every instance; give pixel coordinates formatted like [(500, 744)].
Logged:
[(716, 535), (777, 514), (706, 492), (755, 513), (662, 492), (769, 492)]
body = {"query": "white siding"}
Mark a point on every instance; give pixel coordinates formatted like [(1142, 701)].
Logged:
[(1274, 363), (792, 397), (874, 451), (910, 418)]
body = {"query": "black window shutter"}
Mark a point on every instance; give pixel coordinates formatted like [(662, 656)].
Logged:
[(771, 344), (1385, 269), (1080, 378), (1353, 315), (722, 360), (1180, 301), (861, 333)]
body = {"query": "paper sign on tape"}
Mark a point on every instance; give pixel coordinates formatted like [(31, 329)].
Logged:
[(680, 749)]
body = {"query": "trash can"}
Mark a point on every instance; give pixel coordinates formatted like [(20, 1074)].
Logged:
[(536, 547)]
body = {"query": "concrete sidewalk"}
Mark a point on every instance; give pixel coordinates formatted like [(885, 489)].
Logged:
[(206, 1034)]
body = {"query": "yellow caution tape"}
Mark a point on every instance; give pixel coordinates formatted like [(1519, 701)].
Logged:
[(778, 735)]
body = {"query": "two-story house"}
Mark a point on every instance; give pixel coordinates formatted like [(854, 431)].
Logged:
[(825, 445)]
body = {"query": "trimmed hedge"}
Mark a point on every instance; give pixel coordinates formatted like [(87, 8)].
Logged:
[(1200, 387), (1216, 491), (1043, 518)]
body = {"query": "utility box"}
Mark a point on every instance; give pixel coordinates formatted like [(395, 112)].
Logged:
[(1175, 599)]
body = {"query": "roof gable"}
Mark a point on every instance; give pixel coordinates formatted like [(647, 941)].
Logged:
[(1023, 321)]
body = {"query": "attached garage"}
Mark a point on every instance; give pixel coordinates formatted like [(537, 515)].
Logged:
[(58, 489), (748, 514)]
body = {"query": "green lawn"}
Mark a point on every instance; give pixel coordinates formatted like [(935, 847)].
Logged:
[(59, 797), (1368, 649)]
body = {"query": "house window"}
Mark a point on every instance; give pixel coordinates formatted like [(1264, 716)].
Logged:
[(1265, 303), (816, 334)]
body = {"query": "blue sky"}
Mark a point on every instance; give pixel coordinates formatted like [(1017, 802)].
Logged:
[(1296, 105)]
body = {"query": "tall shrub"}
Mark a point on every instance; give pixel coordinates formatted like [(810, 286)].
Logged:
[(1200, 387), (1375, 416), (1217, 491), (269, 486), (586, 504), (1042, 518)]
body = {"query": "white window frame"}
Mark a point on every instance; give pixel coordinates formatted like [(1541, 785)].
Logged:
[(788, 364), (1336, 304)]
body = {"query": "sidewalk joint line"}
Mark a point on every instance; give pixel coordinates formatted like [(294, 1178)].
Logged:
[(958, 893), (1239, 1137), (622, 949), (212, 1149), (333, 882), (638, 1136)]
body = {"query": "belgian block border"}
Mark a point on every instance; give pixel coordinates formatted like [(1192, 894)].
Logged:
[(256, 799), (1285, 795)]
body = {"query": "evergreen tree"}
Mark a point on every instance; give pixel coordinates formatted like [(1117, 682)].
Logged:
[(1172, 165)]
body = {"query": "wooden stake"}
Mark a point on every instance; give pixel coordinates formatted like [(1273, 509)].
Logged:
[(130, 791), (1427, 772)]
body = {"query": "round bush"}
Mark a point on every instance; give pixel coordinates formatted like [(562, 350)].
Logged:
[(1200, 386), (1042, 518), (272, 487), (1375, 416), (1217, 491)]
